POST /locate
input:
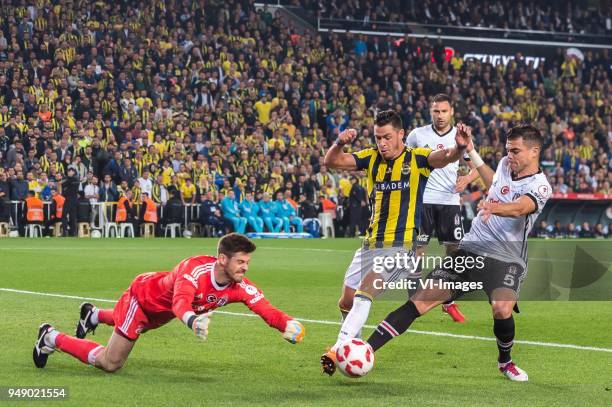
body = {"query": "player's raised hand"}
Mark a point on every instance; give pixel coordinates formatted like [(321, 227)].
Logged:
[(462, 183), (463, 137), (294, 332), (200, 325), (346, 137)]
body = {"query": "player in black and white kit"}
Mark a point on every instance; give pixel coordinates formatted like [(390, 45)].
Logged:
[(517, 193), (441, 207)]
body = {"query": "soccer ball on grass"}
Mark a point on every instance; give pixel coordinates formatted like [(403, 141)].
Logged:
[(355, 357)]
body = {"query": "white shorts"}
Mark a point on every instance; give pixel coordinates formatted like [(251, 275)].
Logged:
[(363, 262)]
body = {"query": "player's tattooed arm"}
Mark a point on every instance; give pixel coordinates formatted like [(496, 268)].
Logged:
[(523, 205), (477, 168), (336, 158)]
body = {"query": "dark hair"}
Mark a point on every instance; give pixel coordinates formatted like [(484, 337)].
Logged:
[(442, 97), (528, 132), (233, 243), (385, 117)]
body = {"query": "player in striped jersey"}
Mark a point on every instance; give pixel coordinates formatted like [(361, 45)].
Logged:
[(190, 292), (397, 176)]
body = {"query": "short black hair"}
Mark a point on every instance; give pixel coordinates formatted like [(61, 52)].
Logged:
[(442, 97), (528, 132), (233, 243), (385, 117)]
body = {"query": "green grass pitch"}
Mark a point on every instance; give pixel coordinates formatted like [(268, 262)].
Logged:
[(246, 362)]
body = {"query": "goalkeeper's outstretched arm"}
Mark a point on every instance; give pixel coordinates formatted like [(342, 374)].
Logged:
[(293, 331)]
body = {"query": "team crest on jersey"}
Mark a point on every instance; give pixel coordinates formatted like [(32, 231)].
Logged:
[(405, 169), (512, 269), (505, 189), (440, 146), (222, 301), (457, 220), (544, 192), (211, 298)]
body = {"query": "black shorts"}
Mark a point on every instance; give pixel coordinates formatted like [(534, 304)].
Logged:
[(487, 272), (442, 220)]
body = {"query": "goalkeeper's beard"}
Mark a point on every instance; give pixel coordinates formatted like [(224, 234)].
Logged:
[(234, 276)]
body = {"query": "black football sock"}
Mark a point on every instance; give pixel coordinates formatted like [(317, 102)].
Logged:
[(395, 324), (504, 332)]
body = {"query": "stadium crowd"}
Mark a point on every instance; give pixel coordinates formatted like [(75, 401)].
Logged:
[(170, 104), (546, 15)]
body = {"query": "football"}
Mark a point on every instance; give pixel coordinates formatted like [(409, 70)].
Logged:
[(355, 357)]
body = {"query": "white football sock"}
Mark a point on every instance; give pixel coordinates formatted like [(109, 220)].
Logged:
[(50, 338), (354, 321), (94, 316)]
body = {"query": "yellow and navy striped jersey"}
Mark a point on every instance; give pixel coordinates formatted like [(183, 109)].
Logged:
[(395, 189)]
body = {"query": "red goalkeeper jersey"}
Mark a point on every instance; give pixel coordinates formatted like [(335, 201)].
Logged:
[(191, 287)]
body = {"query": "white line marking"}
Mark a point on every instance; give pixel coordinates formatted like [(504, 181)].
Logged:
[(324, 322)]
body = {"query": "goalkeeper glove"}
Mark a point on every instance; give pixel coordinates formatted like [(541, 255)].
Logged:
[(199, 325), (294, 331)]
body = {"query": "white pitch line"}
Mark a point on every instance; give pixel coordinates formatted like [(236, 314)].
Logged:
[(324, 322)]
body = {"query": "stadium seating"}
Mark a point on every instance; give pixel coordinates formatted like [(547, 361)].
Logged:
[(253, 116)]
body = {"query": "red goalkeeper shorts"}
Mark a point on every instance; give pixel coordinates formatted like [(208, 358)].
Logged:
[(130, 319)]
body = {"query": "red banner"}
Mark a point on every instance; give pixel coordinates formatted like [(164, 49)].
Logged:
[(582, 196)]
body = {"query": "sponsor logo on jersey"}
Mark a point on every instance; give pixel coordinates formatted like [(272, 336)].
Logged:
[(211, 298), (256, 298), (505, 189), (392, 186), (193, 280)]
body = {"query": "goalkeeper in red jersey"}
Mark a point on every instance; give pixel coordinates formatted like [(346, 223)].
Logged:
[(190, 292)]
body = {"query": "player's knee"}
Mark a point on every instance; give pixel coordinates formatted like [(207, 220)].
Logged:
[(112, 366), (501, 310), (345, 303)]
